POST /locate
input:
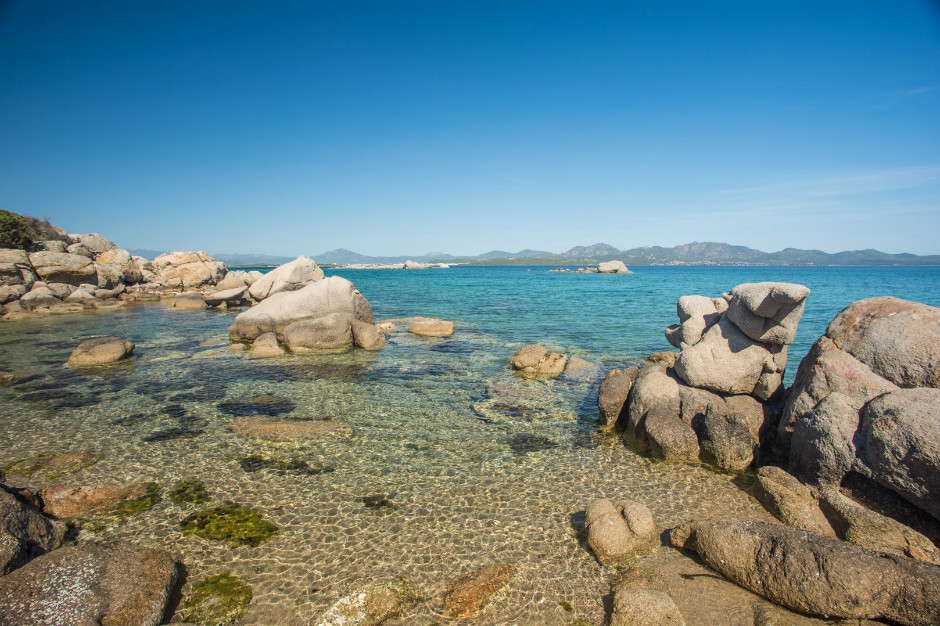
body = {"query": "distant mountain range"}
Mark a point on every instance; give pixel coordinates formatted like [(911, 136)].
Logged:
[(705, 253)]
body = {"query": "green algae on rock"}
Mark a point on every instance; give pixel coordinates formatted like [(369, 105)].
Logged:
[(52, 466), (237, 525), (191, 491), (217, 600)]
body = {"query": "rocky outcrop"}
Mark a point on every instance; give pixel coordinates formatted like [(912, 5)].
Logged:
[(292, 276), (62, 267), (535, 361), (187, 270), (714, 401), (817, 575), (113, 582), (321, 316), (618, 532), (101, 351), (865, 400)]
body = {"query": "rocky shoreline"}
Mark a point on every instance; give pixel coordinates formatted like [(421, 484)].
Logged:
[(846, 458)]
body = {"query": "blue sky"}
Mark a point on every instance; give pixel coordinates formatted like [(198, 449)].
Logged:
[(401, 127)]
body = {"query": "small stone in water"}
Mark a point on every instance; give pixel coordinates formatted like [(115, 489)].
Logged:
[(377, 501)]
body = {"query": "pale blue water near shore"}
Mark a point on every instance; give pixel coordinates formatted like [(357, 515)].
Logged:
[(480, 467)]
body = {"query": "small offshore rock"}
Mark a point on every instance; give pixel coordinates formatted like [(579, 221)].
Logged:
[(612, 267), (471, 594), (115, 582), (101, 351), (431, 327)]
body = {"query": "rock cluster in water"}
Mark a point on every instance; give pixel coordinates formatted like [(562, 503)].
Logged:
[(604, 267), (714, 402)]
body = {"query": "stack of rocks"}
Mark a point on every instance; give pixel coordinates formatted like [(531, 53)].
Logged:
[(716, 402)]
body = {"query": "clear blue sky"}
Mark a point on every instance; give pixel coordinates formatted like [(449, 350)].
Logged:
[(401, 127)]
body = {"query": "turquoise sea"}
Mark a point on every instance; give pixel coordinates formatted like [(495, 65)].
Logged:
[(470, 464)]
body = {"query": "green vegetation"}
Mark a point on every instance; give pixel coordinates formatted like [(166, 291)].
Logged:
[(14, 231), (192, 491), (217, 600), (237, 525), (147, 499), (566, 605)]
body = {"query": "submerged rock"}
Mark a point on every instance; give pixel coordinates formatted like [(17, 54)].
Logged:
[(101, 351), (115, 582), (78, 501), (431, 327), (641, 597), (471, 594), (372, 605), (217, 600)]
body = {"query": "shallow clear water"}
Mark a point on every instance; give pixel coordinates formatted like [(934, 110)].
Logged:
[(480, 467)]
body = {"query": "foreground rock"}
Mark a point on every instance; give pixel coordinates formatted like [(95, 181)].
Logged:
[(372, 605), (471, 594), (817, 575), (24, 533), (101, 351), (292, 276), (642, 597), (618, 532), (116, 583), (318, 316), (865, 401)]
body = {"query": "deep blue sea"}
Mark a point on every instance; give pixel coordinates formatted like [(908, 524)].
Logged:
[(475, 465)]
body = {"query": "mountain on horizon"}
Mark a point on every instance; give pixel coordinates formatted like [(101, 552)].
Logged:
[(695, 253)]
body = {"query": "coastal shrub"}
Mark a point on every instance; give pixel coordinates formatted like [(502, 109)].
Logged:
[(237, 525), (217, 600), (14, 231)]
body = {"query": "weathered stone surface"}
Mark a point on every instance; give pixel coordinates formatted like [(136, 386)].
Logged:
[(901, 435), (323, 333), (612, 267), (528, 358), (266, 346), (790, 501), (235, 279), (115, 583), (15, 268), (618, 532), (696, 315), (79, 249), (669, 437), (642, 598), (24, 533), (188, 270), (431, 327), (94, 243), (367, 336), (9, 293), (193, 301), (228, 296), (318, 299), (372, 605), (822, 448), (612, 396), (768, 312), (728, 361), (899, 340), (75, 501), (59, 267), (471, 594), (825, 370), (870, 530), (654, 391), (101, 351), (292, 276), (270, 429), (820, 576), (53, 245), (726, 440)]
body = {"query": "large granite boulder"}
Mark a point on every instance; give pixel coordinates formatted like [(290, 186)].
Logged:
[(612, 395), (115, 582), (899, 340), (94, 243), (696, 315), (817, 575), (768, 312), (612, 267), (333, 300), (188, 270), (61, 267), (117, 266), (288, 277), (238, 279), (24, 533)]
